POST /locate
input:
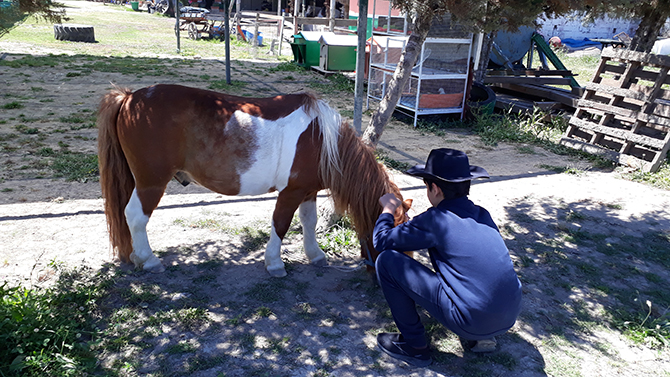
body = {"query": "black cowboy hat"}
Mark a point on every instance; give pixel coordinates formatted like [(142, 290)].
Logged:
[(448, 165)]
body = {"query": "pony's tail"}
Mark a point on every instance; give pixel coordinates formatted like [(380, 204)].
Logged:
[(116, 180)]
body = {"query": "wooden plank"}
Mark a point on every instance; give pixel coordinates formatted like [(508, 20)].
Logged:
[(650, 59), (622, 159), (529, 72), (554, 94), (629, 115), (504, 102), (527, 80), (324, 21), (618, 133), (634, 94)]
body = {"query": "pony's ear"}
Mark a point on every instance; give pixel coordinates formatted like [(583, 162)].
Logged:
[(407, 203)]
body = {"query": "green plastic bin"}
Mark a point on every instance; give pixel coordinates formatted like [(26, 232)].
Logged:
[(135, 5), (298, 52)]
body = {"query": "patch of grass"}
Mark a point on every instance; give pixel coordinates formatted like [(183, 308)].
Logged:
[(202, 362), (223, 85), (525, 149), (338, 83), (339, 239), (286, 67), (383, 157), (74, 166), (660, 179), (22, 128), (13, 105), (270, 291), (33, 61), (50, 331), (644, 328), (179, 348), (253, 238), (136, 294)]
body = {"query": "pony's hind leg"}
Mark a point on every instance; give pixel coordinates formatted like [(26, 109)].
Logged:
[(137, 220), (307, 214)]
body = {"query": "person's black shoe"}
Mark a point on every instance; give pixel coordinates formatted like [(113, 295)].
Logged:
[(394, 345), (479, 346)]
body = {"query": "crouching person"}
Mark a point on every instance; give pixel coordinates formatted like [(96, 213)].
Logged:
[(472, 290)]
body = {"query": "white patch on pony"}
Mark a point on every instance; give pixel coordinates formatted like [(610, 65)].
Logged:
[(277, 141), (307, 214), (142, 256), (273, 262)]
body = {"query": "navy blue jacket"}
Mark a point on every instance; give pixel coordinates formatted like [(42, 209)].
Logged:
[(469, 254)]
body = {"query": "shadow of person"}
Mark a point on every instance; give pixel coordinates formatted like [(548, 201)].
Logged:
[(513, 355)]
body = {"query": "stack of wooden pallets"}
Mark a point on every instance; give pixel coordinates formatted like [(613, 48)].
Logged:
[(624, 113)]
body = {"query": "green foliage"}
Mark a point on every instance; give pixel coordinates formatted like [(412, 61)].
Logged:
[(22, 128), (48, 332), (337, 83), (519, 127), (660, 179), (339, 238), (287, 67), (645, 328)]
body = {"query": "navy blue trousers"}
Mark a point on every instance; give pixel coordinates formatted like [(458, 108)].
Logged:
[(405, 283)]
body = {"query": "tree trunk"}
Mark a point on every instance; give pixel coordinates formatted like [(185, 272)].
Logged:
[(480, 71), (401, 76), (653, 19)]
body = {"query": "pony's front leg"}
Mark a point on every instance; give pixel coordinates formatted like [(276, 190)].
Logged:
[(287, 203), (273, 262), (137, 220), (307, 213)]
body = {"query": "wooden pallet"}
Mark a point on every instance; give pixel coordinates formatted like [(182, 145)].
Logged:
[(533, 88), (624, 114)]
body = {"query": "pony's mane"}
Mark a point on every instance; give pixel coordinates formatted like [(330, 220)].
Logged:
[(359, 184), (329, 128)]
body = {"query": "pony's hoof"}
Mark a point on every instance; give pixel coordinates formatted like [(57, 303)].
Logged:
[(321, 262), (155, 267), (277, 273)]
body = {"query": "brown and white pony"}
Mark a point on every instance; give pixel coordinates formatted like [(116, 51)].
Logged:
[(293, 144)]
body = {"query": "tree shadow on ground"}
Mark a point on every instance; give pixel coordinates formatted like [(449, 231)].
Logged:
[(587, 269), (215, 310)]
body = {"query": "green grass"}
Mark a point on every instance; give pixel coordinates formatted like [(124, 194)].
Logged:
[(51, 331), (75, 166)]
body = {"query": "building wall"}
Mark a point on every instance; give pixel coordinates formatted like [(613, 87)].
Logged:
[(571, 27)]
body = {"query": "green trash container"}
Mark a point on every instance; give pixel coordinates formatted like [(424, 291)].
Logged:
[(298, 47), (135, 5)]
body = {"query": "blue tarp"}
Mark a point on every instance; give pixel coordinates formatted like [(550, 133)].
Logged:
[(579, 44)]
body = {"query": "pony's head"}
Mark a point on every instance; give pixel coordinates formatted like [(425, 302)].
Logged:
[(368, 252)]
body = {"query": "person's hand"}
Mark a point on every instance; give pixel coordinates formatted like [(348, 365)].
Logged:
[(389, 203)]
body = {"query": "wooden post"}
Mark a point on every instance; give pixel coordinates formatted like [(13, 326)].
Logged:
[(254, 43), (331, 21), (281, 32), (361, 31), (226, 33)]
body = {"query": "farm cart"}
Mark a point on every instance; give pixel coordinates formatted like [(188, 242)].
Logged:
[(198, 21)]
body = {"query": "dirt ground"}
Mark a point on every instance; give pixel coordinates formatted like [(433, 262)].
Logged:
[(47, 222)]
